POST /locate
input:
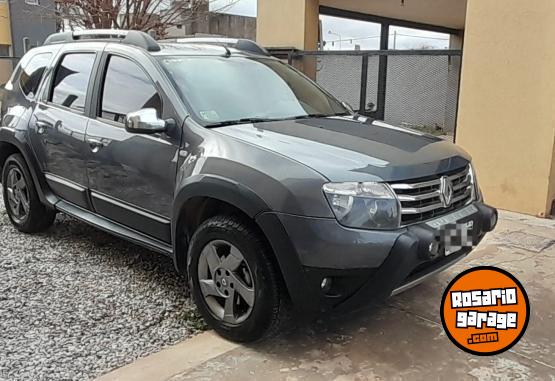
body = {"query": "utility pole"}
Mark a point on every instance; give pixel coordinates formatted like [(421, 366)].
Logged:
[(394, 40)]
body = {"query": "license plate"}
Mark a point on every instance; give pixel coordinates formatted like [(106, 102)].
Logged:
[(452, 217), (453, 233)]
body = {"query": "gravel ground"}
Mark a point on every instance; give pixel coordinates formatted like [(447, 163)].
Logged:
[(76, 302)]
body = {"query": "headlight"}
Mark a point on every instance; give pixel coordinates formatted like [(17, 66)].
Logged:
[(364, 205), (476, 193)]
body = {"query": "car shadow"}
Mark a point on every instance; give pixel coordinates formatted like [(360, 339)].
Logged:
[(411, 317)]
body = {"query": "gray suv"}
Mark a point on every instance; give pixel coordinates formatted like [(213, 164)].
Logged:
[(270, 195)]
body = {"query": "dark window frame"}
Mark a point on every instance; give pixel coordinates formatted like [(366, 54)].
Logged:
[(52, 78), (97, 108)]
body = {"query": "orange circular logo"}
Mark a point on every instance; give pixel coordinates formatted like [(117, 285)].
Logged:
[(485, 311)]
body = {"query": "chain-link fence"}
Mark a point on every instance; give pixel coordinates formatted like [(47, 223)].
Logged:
[(416, 88)]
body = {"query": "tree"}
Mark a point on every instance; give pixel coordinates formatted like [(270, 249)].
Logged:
[(144, 15)]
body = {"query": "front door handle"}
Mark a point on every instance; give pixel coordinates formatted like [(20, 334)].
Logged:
[(42, 127), (95, 144)]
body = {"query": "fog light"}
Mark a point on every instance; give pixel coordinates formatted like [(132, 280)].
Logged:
[(326, 284), (434, 248), (493, 221)]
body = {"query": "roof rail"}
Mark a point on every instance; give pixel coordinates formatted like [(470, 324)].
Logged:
[(237, 43), (129, 37)]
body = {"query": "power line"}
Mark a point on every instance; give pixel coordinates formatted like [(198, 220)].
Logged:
[(353, 39), (427, 38), (391, 34)]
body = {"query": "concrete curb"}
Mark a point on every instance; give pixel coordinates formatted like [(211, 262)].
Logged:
[(174, 360)]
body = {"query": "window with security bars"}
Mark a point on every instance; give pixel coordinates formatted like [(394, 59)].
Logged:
[(421, 87)]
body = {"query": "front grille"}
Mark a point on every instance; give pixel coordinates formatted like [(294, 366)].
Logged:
[(420, 199)]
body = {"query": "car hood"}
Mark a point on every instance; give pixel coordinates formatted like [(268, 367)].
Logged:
[(349, 149)]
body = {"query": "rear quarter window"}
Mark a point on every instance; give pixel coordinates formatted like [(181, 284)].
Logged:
[(32, 73)]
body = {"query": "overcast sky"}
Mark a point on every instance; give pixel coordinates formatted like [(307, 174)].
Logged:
[(240, 7), (345, 34)]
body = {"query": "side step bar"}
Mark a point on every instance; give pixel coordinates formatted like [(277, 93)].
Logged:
[(114, 228)]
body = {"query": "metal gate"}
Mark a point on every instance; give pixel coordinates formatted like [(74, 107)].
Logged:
[(413, 88)]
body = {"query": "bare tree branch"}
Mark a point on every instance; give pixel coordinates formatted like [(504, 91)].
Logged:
[(144, 15)]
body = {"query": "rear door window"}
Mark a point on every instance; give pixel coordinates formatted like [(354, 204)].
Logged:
[(32, 73), (71, 80), (126, 89)]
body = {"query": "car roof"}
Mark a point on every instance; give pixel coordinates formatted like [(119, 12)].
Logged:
[(198, 49), (205, 46)]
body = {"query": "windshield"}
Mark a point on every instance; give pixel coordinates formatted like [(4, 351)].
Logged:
[(223, 90)]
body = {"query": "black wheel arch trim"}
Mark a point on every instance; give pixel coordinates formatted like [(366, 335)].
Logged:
[(218, 188), (255, 207), (292, 271), (45, 195)]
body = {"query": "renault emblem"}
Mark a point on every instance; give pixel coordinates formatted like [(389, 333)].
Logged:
[(446, 191)]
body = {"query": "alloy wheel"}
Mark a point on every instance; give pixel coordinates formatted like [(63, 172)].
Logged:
[(18, 195), (226, 282)]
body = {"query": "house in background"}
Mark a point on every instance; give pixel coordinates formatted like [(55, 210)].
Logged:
[(31, 22), (5, 42), (23, 25)]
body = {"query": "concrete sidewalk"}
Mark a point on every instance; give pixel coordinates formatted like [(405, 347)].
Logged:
[(401, 340)]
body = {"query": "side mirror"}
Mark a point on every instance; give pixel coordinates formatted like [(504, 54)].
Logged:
[(144, 121)]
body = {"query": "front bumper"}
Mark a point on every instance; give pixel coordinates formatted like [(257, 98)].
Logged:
[(364, 266)]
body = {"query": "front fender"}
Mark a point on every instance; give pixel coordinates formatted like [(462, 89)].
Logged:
[(251, 204), (216, 187)]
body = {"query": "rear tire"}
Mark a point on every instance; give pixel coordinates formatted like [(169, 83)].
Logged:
[(21, 200), (233, 261)]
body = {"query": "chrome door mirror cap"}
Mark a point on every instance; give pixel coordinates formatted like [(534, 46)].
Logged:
[(144, 121)]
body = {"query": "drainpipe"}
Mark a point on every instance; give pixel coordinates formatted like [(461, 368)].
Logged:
[(26, 44)]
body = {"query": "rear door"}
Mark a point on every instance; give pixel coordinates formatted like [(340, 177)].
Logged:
[(132, 176), (18, 95), (57, 128)]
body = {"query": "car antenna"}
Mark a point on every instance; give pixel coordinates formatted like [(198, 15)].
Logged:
[(227, 51)]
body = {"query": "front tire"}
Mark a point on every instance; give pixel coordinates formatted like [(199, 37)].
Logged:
[(235, 283), (21, 200)]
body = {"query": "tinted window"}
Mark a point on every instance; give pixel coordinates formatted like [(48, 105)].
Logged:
[(72, 80), (126, 89), (31, 73)]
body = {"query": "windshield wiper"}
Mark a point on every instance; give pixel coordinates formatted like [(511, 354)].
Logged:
[(240, 121), (261, 120), (308, 116)]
